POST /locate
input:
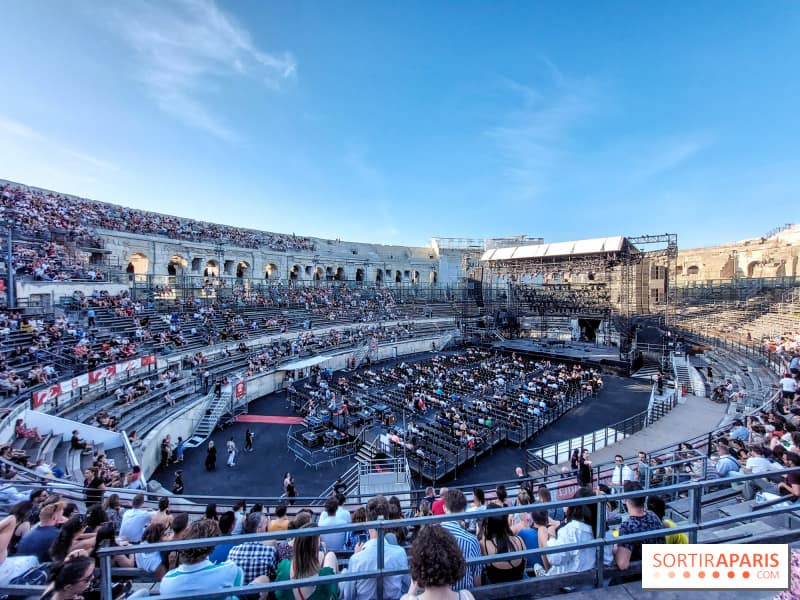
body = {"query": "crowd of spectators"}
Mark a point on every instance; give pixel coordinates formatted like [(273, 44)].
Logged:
[(40, 212)]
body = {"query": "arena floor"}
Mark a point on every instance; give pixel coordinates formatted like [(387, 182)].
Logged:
[(260, 473)]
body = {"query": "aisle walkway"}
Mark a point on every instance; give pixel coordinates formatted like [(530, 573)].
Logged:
[(696, 417)]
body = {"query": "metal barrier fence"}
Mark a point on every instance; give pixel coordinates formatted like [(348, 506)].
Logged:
[(691, 527)]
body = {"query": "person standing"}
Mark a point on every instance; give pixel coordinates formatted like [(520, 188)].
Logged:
[(179, 451), (231, 452), (621, 474), (177, 487), (584, 469), (248, 440), (211, 457)]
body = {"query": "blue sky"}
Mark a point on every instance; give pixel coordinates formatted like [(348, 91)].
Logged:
[(393, 122)]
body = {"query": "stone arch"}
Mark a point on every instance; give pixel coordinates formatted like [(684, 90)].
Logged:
[(309, 271), (140, 263), (433, 277), (243, 269), (328, 272), (339, 275), (294, 273), (318, 274), (359, 274), (693, 271), (415, 277), (398, 277), (197, 265), (752, 266), (271, 271), (379, 276), (172, 271), (212, 268)]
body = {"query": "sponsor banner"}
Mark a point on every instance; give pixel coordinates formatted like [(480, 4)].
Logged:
[(715, 566), (240, 389), (80, 381), (39, 398)]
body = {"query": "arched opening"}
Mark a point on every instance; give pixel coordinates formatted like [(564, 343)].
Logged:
[(751, 268), (141, 264), (339, 274), (379, 275), (308, 271), (294, 274), (171, 270), (328, 273), (781, 270), (197, 265), (228, 267), (242, 269), (271, 271), (415, 277), (212, 268), (679, 270), (433, 277), (359, 274), (398, 277), (318, 274), (693, 271)]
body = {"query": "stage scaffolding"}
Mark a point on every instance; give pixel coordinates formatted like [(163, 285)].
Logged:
[(595, 289)]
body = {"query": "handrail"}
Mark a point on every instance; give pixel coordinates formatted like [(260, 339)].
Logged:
[(599, 542)]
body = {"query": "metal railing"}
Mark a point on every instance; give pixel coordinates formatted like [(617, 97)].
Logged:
[(692, 527)]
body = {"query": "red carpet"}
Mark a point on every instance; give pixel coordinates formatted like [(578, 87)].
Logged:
[(269, 420)]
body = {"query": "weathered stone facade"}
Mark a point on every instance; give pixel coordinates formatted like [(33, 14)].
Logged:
[(156, 256), (774, 256)]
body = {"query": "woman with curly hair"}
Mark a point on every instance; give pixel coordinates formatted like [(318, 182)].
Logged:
[(436, 563), (196, 573)]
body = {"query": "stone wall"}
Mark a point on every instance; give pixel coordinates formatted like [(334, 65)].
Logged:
[(774, 256), (152, 255)]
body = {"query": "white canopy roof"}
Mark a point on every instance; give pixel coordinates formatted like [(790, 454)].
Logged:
[(304, 363), (593, 246)]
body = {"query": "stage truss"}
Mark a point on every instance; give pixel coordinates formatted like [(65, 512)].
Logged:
[(546, 293)]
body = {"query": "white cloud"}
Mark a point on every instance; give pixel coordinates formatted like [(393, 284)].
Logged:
[(186, 51), (665, 155), (14, 133), (533, 138)]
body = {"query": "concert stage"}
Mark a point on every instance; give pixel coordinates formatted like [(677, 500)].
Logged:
[(586, 353)]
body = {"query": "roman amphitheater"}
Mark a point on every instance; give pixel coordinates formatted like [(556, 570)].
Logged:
[(206, 372)]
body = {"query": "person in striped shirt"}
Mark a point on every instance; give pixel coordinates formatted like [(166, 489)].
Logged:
[(454, 503)]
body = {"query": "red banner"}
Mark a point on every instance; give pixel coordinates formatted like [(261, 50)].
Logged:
[(80, 381), (39, 398), (240, 389)]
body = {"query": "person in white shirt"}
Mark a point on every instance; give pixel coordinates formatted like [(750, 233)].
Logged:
[(135, 520), (788, 386), (42, 469), (329, 518), (620, 474), (577, 529)]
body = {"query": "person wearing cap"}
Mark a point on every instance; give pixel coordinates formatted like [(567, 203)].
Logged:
[(37, 543)]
